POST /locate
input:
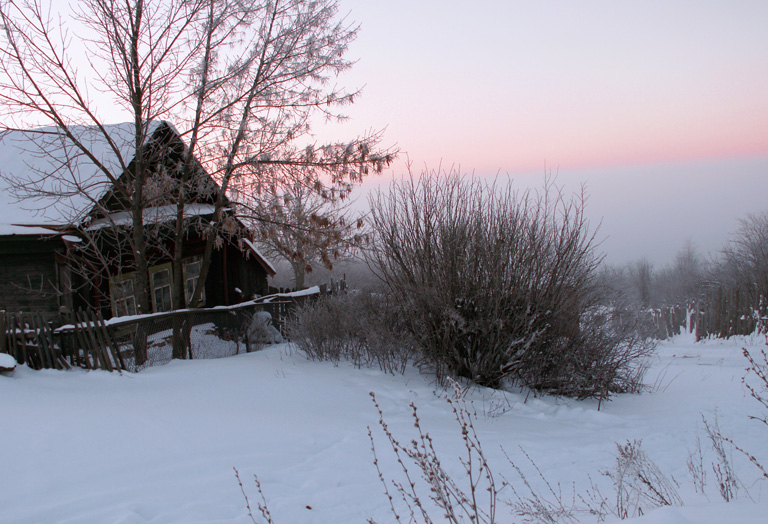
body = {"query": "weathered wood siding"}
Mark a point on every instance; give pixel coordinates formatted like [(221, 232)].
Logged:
[(29, 279)]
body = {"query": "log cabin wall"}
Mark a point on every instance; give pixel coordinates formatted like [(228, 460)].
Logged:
[(30, 277)]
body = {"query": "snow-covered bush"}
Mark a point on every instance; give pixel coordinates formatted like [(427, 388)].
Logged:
[(261, 330), (360, 327), (496, 284)]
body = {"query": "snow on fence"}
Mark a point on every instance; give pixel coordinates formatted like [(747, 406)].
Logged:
[(87, 340), (668, 321), (728, 312), (719, 313)]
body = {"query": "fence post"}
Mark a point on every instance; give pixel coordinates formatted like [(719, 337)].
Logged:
[(36, 322), (3, 334), (21, 339)]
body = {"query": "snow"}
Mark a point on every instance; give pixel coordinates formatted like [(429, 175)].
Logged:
[(32, 154), (12, 229), (151, 215), (258, 254), (160, 445), (314, 290), (7, 361)]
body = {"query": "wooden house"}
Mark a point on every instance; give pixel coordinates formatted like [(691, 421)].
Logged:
[(32, 269), (63, 226)]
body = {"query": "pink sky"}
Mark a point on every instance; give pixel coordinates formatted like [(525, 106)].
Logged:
[(628, 97), (518, 85)]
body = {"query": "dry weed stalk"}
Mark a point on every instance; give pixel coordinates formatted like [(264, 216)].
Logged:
[(474, 500), (538, 507), (639, 483), (695, 463), (760, 393), (262, 505)]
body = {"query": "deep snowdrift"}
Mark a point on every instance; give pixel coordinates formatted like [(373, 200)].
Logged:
[(160, 446)]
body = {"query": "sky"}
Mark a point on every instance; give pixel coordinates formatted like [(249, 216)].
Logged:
[(659, 108)]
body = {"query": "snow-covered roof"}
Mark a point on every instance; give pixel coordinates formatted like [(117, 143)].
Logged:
[(12, 229), (46, 179), (265, 262), (151, 215)]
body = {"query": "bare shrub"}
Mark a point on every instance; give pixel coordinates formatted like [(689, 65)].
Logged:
[(757, 370), (756, 382), (725, 475), (427, 492), (545, 506), (698, 472), (471, 499), (498, 284), (360, 327), (745, 258), (262, 505), (640, 485)]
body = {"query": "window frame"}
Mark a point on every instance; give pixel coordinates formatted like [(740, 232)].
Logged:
[(116, 302), (195, 278), (153, 272)]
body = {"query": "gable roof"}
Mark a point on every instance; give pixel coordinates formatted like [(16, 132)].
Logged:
[(66, 184), (62, 183)]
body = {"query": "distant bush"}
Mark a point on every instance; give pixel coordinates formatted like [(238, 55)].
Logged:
[(360, 327), (495, 284)]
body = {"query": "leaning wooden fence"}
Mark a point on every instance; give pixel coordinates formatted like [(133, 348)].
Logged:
[(36, 342), (89, 343), (28, 338)]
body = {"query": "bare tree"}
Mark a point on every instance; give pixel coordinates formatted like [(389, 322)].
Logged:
[(642, 274), (138, 62), (239, 79), (308, 224), (745, 258), (680, 284), (253, 106)]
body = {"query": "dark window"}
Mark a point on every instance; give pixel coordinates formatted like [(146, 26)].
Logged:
[(191, 276), (124, 297), (161, 289)]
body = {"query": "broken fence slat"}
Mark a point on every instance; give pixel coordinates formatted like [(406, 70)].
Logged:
[(37, 330), (111, 343), (101, 341), (45, 341), (20, 339), (99, 356), (3, 332), (57, 358), (11, 326), (82, 342)]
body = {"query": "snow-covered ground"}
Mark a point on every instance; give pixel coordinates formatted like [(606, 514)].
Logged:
[(160, 446)]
